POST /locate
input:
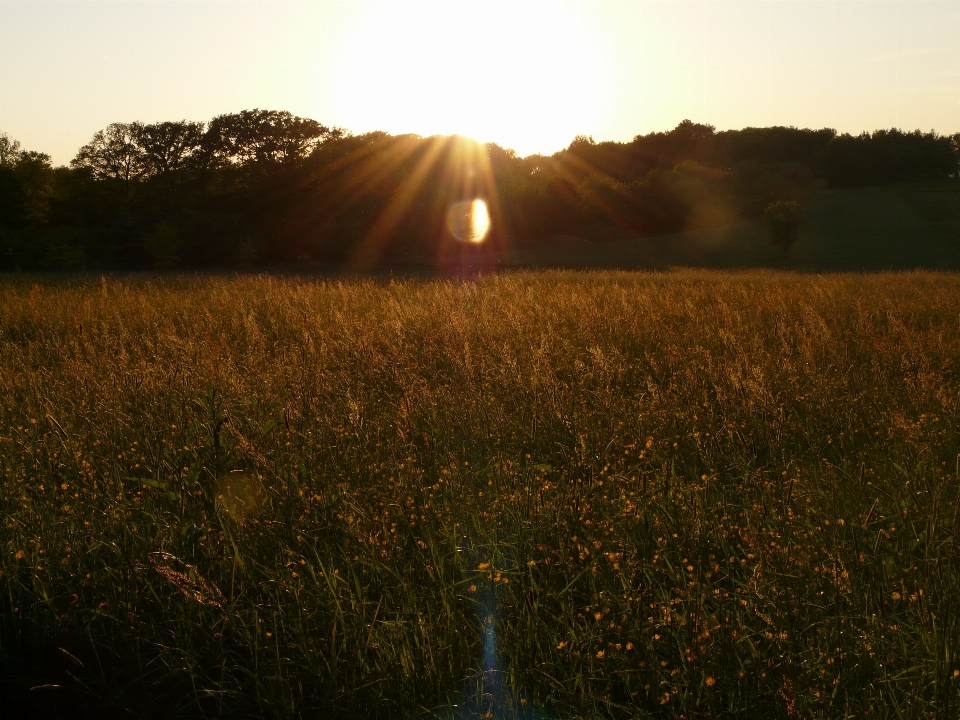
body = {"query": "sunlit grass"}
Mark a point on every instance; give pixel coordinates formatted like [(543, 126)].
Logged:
[(717, 495)]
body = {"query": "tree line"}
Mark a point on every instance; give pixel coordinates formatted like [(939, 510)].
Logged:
[(263, 188)]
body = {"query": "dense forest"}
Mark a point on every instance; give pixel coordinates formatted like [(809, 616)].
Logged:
[(265, 188)]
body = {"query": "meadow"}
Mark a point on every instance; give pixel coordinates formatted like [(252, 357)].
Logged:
[(687, 494)]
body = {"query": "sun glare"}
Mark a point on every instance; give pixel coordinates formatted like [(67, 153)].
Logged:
[(469, 221), (528, 76)]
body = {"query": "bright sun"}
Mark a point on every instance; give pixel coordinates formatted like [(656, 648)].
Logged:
[(527, 75)]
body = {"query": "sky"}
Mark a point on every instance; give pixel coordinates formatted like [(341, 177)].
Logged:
[(527, 74)]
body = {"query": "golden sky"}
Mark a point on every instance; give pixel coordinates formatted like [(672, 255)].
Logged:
[(528, 74)]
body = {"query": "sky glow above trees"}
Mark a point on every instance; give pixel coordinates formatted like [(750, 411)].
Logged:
[(526, 74)]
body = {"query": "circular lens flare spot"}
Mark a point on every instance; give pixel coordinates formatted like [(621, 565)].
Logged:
[(238, 494), (469, 221)]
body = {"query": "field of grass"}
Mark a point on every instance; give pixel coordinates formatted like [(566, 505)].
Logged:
[(620, 495), (892, 227)]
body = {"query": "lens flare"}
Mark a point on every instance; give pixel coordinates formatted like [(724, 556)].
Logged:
[(238, 494), (469, 221)]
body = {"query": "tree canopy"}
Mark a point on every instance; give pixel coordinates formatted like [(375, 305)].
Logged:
[(265, 187)]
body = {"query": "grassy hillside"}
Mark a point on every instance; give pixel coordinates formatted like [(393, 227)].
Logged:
[(610, 495), (879, 228)]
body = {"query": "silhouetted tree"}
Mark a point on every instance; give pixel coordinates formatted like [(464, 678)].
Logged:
[(767, 146), (887, 156), (267, 187), (581, 141), (9, 150), (25, 184), (264, 137), (35, 174), (687, 141), (27, 191), (785, 219), (115, 154), (171, 146), (12, 198)]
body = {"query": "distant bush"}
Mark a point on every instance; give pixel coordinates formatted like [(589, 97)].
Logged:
[(785, 219)]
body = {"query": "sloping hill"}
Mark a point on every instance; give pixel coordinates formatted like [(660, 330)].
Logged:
[(878, 228)]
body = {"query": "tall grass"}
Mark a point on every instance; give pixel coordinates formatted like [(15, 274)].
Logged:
[(579, 495)]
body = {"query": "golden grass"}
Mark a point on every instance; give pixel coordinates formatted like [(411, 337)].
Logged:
[(716, 495)]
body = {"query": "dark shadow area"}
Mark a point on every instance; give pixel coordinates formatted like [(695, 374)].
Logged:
[(266, 190)]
